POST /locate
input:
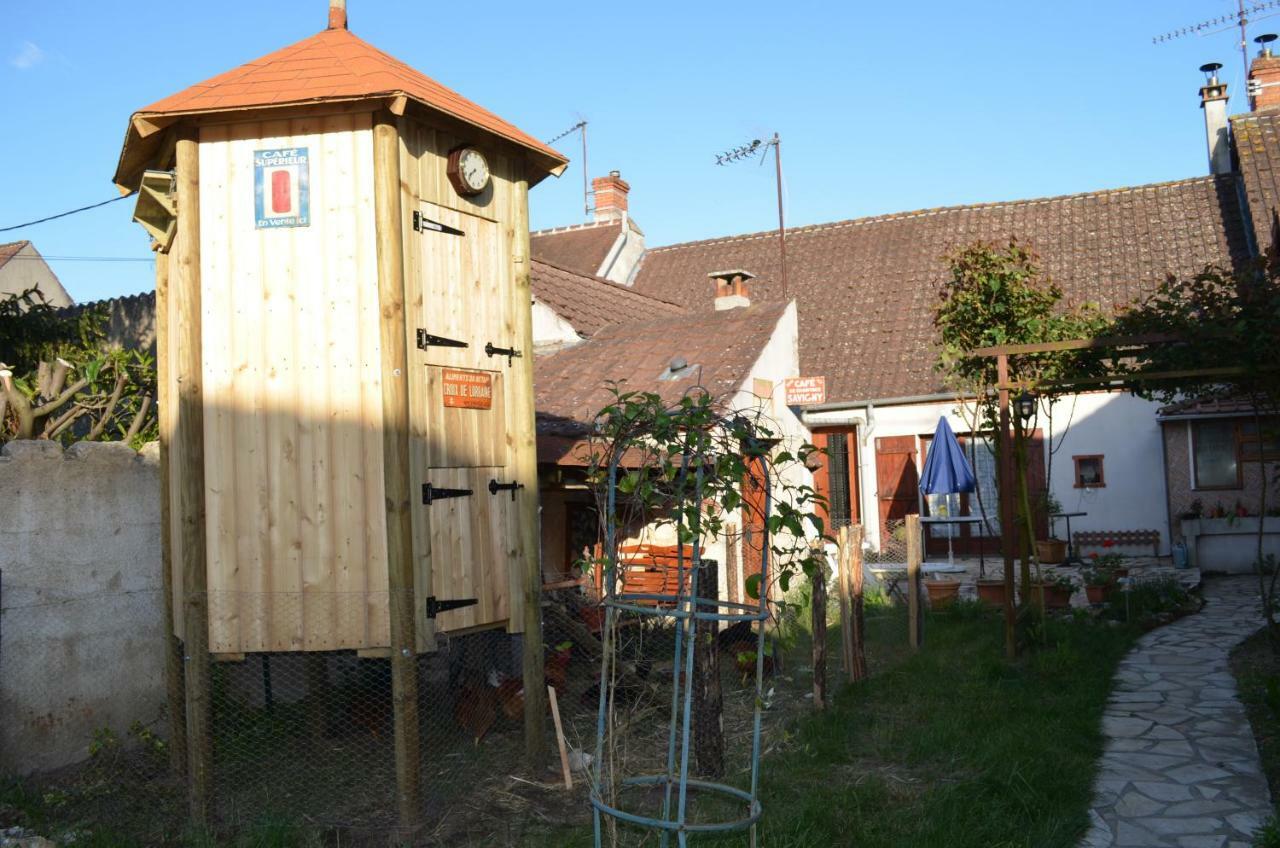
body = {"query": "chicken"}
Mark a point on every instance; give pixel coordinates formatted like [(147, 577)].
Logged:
[(475, 708), (510, 695), (556, 669), (744, 658)]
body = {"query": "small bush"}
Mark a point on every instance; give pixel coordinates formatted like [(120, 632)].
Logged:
[(1148, 601), (1269, 836)]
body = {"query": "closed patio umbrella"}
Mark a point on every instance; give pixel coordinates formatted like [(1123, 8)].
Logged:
[(946, 469)]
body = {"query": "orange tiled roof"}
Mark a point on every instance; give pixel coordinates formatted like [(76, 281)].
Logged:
[(333, 64)]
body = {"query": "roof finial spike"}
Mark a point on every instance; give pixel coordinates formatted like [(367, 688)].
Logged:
[(337, 14)]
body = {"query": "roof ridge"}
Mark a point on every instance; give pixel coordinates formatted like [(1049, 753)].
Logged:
[(608, 282), (568, 228), (938, 210), (753, 311)]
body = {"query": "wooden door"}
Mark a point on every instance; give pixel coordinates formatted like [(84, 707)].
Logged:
[(753, 520), (836, 477), (897, 479)]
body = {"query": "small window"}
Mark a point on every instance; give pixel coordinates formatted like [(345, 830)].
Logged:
[(1089, 474), (1213, 452)]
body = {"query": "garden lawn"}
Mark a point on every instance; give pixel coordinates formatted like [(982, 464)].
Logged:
[(1257, 670), (950, 747)]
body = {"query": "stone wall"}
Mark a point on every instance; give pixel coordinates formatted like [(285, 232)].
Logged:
[(81, 614)]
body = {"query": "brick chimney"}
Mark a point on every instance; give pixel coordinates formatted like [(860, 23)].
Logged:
[(731, 288), (611, 197), (1213, 100), (1264, 77), (337, 14)]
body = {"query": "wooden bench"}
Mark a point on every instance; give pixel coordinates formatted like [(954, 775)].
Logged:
[(649, 570), (1096, 538)]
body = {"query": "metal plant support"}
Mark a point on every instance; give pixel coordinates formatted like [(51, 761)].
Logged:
[(682, 610)]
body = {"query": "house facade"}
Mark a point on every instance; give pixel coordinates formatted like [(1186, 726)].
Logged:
[(22, 268)]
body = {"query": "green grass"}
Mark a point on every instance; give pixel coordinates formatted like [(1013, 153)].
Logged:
[(951, 747), (1257, 670)]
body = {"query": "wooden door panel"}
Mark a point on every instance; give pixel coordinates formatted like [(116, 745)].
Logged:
[(897, 478), (462, 432), (467, 272)]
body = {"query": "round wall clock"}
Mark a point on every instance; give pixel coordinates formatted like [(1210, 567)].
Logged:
[(468, 170)]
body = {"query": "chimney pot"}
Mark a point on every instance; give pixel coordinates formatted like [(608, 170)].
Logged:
[(337, 14), (611, 197), (731, 288)]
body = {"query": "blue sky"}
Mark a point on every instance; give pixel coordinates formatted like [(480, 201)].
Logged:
[(882, 107)]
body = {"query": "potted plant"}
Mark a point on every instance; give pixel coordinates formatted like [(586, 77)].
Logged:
[(942, 591), (1098, 583), (1053, 550), (991, 591), (1057, 589)]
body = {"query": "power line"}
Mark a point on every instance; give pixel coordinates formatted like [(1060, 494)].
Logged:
[(62, 214)]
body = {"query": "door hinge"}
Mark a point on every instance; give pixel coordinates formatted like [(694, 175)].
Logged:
[(512, 487), (435, 607), (423, 224), (509, 352), (431, 494), (426, 340)]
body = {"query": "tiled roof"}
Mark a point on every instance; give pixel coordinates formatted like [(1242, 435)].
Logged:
[(333, 64), (1257, 142), (1214, 407), (583, 248), (866, 288), (571, 385), (591, 303), (10, 250)]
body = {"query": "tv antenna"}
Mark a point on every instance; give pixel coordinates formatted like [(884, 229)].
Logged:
[(581, 127), (748, 150), (1241, 19)]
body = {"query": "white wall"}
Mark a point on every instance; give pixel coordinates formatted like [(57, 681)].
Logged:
[(26, 270), (551, 332), (1119, 426)]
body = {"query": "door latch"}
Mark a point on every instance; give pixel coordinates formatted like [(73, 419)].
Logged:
[(495, 487), (492, 350)]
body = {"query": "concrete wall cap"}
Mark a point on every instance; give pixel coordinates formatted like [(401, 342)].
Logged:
[(24, 448), (91, 450)]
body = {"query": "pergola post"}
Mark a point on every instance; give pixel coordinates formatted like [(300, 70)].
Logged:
[(1008, 530)]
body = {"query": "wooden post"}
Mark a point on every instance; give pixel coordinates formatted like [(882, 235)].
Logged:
[(189, 432), (564, 753), (914, 561), (1008, 532), (173, 677), (858, 665), (525, 466), (843, 601), (708, 700), (395, 465), (820, 636)]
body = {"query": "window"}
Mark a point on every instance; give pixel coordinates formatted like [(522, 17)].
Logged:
[(986, 500), (839, 506), (1255, 448), (1089, 472), (1213, 454)]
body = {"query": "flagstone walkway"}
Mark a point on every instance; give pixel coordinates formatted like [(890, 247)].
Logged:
[(1181, 768)]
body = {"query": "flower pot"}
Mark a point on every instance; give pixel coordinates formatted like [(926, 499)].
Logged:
[(1051, 551), (1055, 597), (942, 593), (1098, 594), (991, 592)]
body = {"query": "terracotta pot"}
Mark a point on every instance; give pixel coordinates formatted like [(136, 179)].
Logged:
[(1051, 551), (991, 592), (942, 593), (1098, 594), (1055, 597)]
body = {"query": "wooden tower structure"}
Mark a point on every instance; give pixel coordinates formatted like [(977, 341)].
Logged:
[(345, 357)]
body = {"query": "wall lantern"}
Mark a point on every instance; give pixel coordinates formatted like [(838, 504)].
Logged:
[(1026, 405)]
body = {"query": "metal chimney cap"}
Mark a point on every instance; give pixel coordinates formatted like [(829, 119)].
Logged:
[(1264, 41), (1210, 71)]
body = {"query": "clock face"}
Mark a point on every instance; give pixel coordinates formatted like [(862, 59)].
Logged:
[(469, 171)]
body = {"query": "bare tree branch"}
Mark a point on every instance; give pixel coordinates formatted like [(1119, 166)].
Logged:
[(105, 416)]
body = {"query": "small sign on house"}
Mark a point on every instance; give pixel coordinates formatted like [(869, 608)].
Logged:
[(281, 187), (802, 391)]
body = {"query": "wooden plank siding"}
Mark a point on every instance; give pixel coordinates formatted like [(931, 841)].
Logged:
[(293, 417)]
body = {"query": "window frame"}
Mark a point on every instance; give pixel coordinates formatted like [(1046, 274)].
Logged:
[(1102, 471), (1196, 485)]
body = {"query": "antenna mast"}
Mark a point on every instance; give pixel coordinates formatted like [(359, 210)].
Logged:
[(1221, 23), (745, 152), (581, 126)]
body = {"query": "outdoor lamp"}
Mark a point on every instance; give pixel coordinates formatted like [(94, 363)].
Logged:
[(1026, 404)]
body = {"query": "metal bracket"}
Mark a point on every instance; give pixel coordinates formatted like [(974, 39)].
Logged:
[(426, 340), (423, 224), (435, 607), (495, 487), (431, 494), (509, 352)]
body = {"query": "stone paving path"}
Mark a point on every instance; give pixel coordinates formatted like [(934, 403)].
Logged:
[(1181, 768)]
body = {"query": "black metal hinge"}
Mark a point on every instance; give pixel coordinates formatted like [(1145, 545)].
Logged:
[(509, 352), (435, 607), (431, 494), (495, 487), (423, 224), (426, 340)]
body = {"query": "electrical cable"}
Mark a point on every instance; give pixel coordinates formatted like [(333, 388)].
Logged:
[(62, 214)]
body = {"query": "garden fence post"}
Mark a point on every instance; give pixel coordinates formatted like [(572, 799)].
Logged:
[(846, 608), (708, 699), (858, 663), (820, 636), (914, 559)]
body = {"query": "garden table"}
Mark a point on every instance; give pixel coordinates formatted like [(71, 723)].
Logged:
[(957, 519), (1072, 559)]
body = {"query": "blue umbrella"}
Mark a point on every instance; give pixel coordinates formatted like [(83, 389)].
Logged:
[(946, 470)]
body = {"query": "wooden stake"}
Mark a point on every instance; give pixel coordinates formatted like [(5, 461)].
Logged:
[(189, 433), (820, 637), (914, 561), (708, 699), (851, 603), (524, 460), (564, 751), (173, 677), (844, 602), (395, 462)]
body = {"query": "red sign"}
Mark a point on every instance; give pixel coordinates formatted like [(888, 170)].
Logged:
[(467, 389), (802, 391)]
